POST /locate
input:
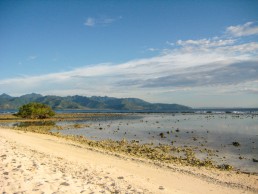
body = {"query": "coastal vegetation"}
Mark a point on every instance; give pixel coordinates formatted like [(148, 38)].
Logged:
[(35, 110)]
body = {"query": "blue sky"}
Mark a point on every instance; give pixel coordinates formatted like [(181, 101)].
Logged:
[(196, 53)]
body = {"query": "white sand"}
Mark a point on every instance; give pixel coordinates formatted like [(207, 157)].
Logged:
[(36, 163)]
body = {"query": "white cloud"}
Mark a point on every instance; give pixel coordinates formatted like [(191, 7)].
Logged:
[(206, 42), (243, 30), (170, 43), (32, 57), (107, 20), (179, 68), (100, 21), (152, 49), (90, 21)]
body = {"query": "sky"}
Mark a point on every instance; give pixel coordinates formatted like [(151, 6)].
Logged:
[(199, 53)]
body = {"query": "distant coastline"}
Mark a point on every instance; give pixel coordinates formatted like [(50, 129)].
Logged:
[(193, 111), (76, 102)]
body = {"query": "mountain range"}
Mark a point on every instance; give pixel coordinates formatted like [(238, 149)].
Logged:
[(76, 102)]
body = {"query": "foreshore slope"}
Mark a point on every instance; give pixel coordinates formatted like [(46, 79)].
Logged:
[(35, 163)]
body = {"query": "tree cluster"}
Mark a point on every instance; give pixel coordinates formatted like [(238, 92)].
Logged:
[(35, 110)]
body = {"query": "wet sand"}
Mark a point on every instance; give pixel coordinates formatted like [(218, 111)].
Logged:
[(36, 163)]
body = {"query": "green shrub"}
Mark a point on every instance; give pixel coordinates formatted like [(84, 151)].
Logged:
[(35, 110)]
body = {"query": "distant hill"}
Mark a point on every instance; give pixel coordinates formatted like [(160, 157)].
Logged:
[(87, 103)]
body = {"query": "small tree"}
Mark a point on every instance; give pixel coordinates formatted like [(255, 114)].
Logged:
[(35, 110)]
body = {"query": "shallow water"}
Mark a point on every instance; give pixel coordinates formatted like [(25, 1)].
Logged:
[(199, 131)]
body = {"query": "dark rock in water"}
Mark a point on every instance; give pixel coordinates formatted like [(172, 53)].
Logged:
[(255, 160), (177, 130), (225, 167), (235, 143), (162, 135)]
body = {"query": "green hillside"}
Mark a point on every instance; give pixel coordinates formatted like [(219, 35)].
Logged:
[(83, 102)]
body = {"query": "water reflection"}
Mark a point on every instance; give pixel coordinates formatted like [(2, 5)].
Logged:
[(35, 123), (201, 131)]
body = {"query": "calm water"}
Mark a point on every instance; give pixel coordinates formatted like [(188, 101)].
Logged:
[(212, 131), (199, 131)]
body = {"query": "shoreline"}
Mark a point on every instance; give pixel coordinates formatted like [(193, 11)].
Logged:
[(131, 174), (187, 146)]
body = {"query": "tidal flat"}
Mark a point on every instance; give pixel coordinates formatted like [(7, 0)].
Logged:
[(217, 140)]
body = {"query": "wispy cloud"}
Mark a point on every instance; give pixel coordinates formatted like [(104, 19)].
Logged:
[(90, 21), (100, 21), (229, 74), (206, 42), (209, 64), (175, 70), (32, 57), (152, 49), (246, 29)]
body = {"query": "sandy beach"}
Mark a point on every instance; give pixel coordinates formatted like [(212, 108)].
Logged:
[(37, 163)]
